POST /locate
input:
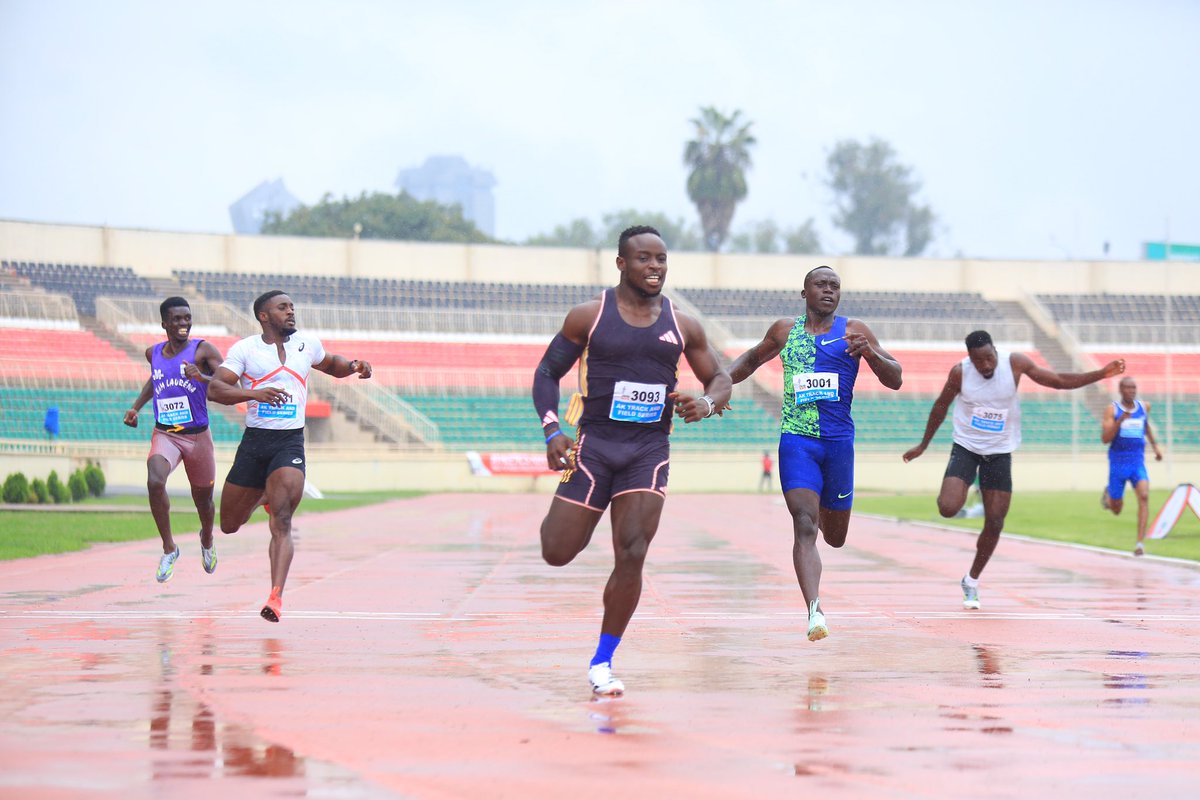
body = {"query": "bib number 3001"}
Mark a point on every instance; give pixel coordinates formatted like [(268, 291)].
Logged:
[(638, 402), (812, 386)]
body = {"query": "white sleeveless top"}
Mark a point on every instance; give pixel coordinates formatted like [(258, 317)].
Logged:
[(257, 365), (987, 412)]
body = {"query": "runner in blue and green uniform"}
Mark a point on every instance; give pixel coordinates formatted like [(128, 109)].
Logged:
[(821, 353)]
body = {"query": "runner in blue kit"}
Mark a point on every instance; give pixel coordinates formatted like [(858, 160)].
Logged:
[(181, 431), (628, 342), (269, 373), (987, 430), (1126, 429), (821, 354)]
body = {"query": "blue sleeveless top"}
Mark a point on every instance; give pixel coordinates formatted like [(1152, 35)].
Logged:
[(1130, 442), (180, 404), (818, 383), (626, 373)]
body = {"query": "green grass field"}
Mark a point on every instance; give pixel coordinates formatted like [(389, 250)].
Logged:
[(1062, 516), (75, 527)]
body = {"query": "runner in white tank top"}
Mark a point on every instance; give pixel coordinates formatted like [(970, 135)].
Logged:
[(987, 411), (257, 364), (987, 429), (270, 374)]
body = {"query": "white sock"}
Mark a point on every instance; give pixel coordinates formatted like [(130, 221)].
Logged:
[(972, 582)]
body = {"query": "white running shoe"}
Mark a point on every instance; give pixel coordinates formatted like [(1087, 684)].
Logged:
[(166, 566), (1139, 550), (208, 556), (603, 682), (817, 629), (970, 595)]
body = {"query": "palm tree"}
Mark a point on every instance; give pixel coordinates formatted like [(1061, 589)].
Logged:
[(719, 157)]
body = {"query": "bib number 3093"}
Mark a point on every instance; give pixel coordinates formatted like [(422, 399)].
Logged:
[(638, 402)]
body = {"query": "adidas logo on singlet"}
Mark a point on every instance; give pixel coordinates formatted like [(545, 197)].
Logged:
[(669, 337)]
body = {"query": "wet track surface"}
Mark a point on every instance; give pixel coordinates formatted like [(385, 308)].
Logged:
[(427, 651)]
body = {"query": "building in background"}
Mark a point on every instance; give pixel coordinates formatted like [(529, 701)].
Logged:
[(250, 211), (451, 180)]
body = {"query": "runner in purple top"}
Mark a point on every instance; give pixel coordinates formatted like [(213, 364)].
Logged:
[(180, 429)]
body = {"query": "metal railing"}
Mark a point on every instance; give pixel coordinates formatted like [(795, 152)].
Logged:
[(897, 330), (39, 308)]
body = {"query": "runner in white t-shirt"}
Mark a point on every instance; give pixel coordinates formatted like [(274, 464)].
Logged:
[(987, 429), (270, 374)]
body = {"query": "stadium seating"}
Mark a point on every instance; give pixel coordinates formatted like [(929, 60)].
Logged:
[(776, 303), (240, 291), (83, 283), (86, 415), (472, 378), (1159, 373), (30, 353)]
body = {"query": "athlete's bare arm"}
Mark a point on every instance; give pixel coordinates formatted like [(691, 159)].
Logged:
[(1109, 425), (706, 364), (575, 329), (131, 414), (208, 358), (1023, 365), (223, 388), (938, 413), (771, 346), (342, 367), (861, 341), (1158, 456)]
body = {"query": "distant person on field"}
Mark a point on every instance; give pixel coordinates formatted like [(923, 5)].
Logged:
[(1126, 429), (180, 429), (987, 430), (764, 482), (269, 372)]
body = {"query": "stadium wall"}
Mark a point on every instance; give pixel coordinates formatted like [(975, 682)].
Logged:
[(156, 253), (344, 470)]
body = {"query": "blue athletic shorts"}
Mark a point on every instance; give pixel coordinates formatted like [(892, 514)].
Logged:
[(826, 467), (603, 469), (1121, 471)]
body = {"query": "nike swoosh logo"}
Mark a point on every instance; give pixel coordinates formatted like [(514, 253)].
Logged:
[(830, 341), (844, 496)]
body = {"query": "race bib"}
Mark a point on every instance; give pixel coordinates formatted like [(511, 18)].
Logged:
[(1132, 428), (285, 411), (812, 386), (638, 402), (173, 410), (989, 419)]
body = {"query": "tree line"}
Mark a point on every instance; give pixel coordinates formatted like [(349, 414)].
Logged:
[(875, 202)]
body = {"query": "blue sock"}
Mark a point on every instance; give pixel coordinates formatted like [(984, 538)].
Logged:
[(604, 652)]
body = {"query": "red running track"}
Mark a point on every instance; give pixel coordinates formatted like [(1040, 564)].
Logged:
[(427, 651)]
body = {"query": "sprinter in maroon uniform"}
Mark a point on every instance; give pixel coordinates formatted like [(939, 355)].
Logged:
[(628, 342)]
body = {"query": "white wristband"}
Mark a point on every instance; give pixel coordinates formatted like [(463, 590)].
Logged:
[(711, 406)]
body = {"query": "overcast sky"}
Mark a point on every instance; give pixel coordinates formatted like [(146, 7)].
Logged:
[(1039, 129)]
